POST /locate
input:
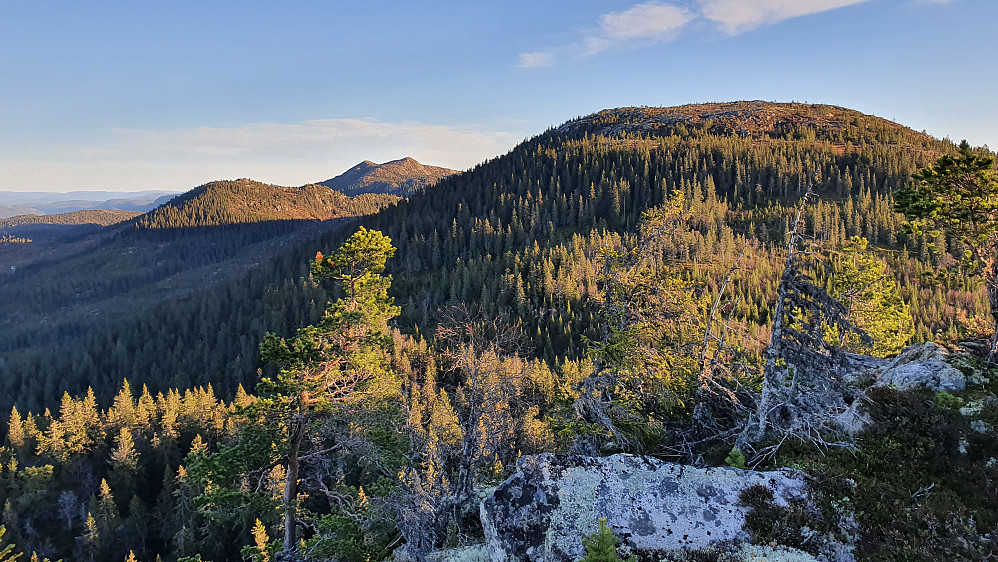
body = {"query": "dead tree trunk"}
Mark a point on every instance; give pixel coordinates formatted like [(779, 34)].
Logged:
[(775, 377), (717, 389), (291, 487), (991, 280), (801, 396)]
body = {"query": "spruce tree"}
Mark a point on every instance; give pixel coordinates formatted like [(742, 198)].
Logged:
[(601, 546)]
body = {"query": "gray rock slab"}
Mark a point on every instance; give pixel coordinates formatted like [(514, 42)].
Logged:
[(923, 365), (542, 512)]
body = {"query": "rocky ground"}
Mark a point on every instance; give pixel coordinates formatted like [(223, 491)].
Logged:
[(918, 484)]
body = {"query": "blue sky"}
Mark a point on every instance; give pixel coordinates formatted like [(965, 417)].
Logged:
[(140, 95)]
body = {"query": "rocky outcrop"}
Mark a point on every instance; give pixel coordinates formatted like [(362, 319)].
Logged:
[(542, 512), (924, 365)]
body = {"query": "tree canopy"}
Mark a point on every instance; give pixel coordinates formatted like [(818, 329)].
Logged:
[(958, 196)]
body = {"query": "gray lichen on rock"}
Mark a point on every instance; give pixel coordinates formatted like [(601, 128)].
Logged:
[(542, 512), (924, 365)]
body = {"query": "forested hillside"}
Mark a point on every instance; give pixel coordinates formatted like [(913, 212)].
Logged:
[(61, 227), (404, 177), (243, 201), (65, 288), (477, 332), (98, 217), (521, 234)]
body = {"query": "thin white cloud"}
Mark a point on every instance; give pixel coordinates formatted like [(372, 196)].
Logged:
[(739, 16), (656, 22), (280, 153), (642, 24), (651, 20), (536, 60)]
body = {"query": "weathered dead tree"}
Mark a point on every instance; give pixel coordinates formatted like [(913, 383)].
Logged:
[(721, 400), (463, 426), (802, 398)]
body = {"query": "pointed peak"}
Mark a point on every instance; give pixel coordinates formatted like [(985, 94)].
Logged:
[(403, 177)]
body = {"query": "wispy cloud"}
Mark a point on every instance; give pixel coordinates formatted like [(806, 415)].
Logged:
[(739, 16), (536, 60), (656, 22), (643, 24), (649, 21), (281, 153)]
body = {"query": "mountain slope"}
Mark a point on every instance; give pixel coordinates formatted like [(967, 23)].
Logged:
[(62, 227), (72, 281), (521, 234), (99, 217), (522, 237), (245, 201), (13, 203), (403, 177)]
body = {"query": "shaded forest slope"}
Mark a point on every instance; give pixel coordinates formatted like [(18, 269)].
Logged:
[(78, 280), (520, 234)]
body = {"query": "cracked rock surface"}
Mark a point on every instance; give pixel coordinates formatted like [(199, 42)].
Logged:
[(925, 365), (542, 512)]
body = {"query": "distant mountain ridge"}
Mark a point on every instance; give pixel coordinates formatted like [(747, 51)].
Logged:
[(14, 203), (100, 217), (62, 227), (244, 201), (403, 177)]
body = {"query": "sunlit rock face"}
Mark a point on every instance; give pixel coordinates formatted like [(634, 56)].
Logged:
[(924, 365), (542, 512)]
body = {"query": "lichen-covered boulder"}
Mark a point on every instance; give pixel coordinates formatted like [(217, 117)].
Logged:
[(472, 553), (923, 365), (542, 512), (857, 368)]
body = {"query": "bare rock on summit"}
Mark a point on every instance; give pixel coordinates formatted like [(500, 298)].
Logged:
[(542, 512), (924, 365)]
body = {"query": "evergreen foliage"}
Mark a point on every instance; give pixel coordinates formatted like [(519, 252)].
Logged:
[(873, 300), (520, 235), (542, 302), (337, 363), (958, 196), (735, 458), (601, 546)]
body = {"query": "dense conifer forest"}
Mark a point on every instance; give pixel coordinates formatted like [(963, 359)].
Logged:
[(470, 341)]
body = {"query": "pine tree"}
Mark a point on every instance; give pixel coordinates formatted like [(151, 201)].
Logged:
[(337, 361), (872, 298), (958, 196), (15, 429)]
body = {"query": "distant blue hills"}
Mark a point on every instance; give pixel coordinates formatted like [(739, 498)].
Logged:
[(14, 203)]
